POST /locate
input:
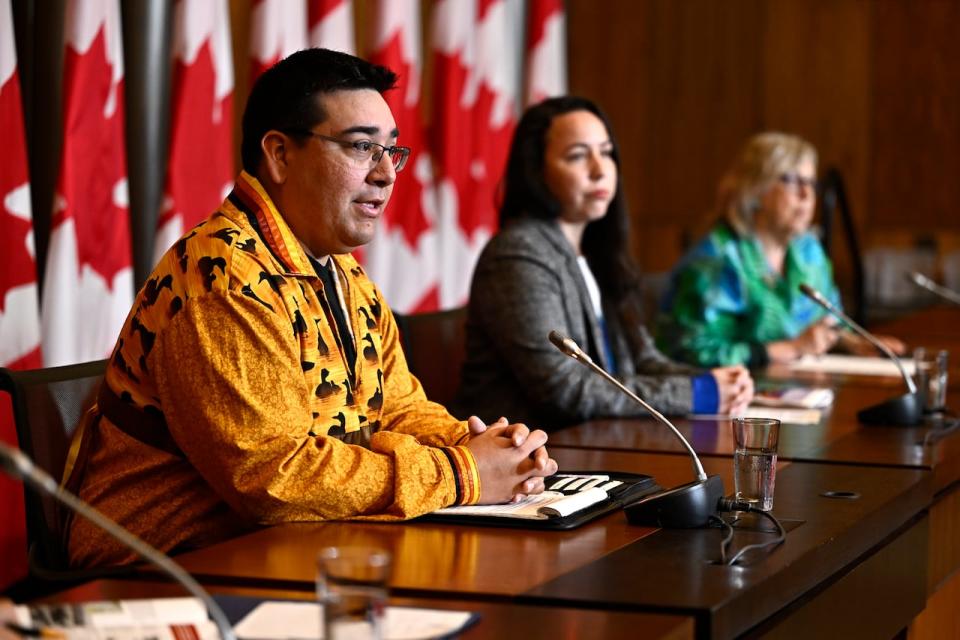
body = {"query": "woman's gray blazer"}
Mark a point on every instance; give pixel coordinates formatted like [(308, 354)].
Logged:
[(527, 283)]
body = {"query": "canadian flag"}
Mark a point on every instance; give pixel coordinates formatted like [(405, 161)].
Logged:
[(19, 315), (88, 286), (331, 24), (403, 257), (279, 27), (476, 52), (200, 171), (546, 50)]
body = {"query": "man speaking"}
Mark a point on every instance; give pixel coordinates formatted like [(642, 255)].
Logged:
[(259, 376)]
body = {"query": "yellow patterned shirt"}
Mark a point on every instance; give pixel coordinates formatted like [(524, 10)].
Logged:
[(232, 350)]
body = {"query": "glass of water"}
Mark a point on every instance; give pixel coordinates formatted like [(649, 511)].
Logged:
[(755, 460), (352, 589), (931, 378)]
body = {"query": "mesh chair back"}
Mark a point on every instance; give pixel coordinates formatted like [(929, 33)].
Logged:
[(47, 407), (435, 347)]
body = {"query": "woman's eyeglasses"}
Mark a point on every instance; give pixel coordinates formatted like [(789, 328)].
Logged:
[(795, 181)]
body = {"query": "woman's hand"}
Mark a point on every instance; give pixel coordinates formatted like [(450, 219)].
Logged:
[(854, 344), (816, 339), (735, 388)]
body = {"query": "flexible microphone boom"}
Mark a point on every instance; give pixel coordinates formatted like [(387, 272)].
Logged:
[(924, 282), (687, 506), (18, 465), (905, 410)]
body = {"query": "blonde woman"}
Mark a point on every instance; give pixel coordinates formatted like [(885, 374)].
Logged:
[(734, 297)]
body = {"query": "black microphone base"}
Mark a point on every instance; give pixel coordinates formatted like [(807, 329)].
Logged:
[(902, 411), (688, 506)]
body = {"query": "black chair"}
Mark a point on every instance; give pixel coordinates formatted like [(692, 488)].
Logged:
[(435, 346), (833, 202), (47, 407)]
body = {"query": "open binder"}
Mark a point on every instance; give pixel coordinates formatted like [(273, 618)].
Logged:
[(571, 499)]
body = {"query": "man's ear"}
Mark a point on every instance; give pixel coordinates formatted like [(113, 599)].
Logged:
[(275, 146)]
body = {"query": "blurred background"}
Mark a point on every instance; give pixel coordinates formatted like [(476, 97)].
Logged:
[(874, 85)]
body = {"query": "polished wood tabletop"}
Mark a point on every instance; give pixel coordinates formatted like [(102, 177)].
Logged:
[(937, 326), (838, 438), (453, 559), (933, 328), (496, 620), (659, 570), (676, 570)]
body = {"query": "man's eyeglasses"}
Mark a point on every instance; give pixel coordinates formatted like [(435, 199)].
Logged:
[(366, 153), (795, 181)]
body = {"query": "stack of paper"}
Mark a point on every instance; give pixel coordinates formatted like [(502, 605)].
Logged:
[(851, 365), (799, 397), (153, 619)]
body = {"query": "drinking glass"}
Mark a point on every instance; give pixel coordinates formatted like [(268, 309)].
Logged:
[(931, 378), (755, 460), (352, 589)]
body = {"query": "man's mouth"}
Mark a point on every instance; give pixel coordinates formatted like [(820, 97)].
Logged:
[(370, 206)]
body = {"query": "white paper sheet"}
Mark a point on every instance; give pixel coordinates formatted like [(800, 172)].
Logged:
[(795, 397), (534, 507), (303, 621), (144, 619), (853, 365), (785, 415)]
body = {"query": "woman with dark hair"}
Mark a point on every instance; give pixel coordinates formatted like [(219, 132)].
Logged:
[(560, 261)]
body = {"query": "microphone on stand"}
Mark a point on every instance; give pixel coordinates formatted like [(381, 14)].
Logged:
[(905, 410), (18, 465), (685, 507), (924, 282)]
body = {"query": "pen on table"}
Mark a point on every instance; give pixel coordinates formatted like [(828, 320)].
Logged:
[(35, 632)]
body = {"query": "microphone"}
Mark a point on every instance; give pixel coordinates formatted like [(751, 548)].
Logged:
[(904, 410), (18, 465), (685, 507), (924, 282)]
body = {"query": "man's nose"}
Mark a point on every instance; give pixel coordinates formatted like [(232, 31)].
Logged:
[(383, 173)]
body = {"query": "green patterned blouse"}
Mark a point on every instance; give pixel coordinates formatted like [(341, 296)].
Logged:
[(724, 301)]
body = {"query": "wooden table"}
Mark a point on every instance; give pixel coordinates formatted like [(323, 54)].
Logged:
[(838, 439), (933, 328), (485, 562), (497, 620), (937, 326), (815, 585), (836, 547)]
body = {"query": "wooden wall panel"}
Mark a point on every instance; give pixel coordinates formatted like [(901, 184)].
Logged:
[(702, 98), (916, 115), (679, 81), (609, 45), (874, 85), (816, 83)]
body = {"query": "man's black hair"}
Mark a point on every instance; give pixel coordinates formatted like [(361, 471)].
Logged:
[(284, 96)]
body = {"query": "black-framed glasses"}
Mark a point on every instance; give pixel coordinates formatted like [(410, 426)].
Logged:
[(795, 181), (367, 153)]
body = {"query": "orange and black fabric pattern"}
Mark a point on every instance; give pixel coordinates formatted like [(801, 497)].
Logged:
[(231, 348)]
